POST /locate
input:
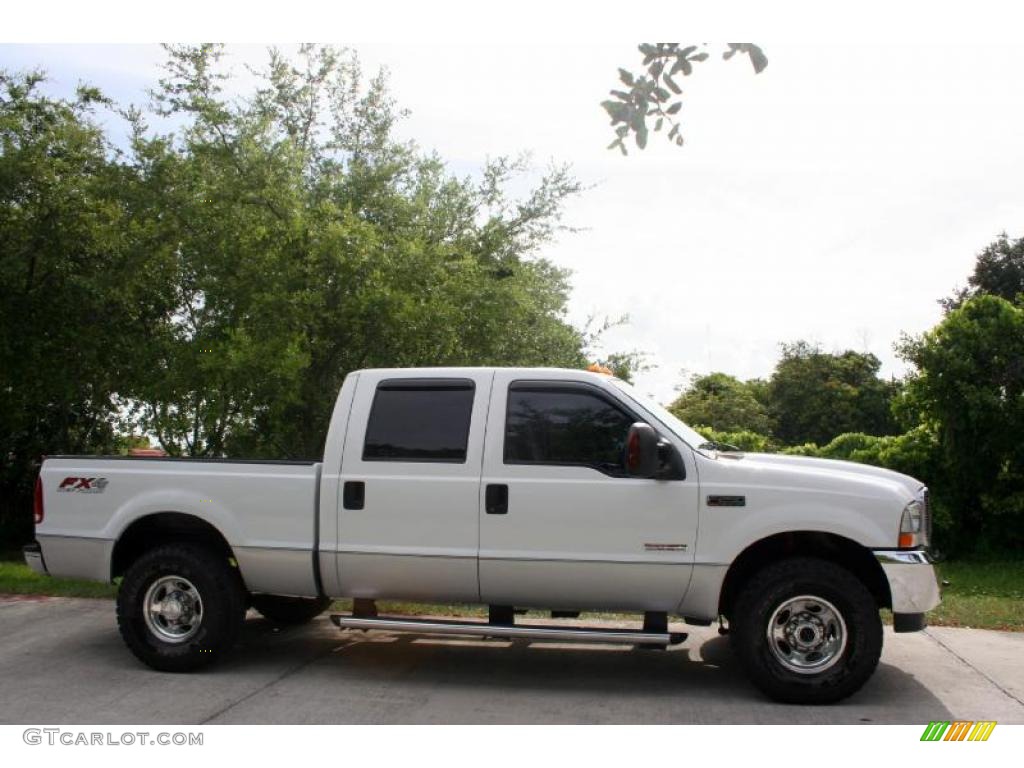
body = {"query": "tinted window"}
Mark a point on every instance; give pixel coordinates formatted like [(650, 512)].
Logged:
[(419, 421), (565, 426)]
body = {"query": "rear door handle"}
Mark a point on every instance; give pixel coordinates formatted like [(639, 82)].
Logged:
[(496, 500), (354, 494)]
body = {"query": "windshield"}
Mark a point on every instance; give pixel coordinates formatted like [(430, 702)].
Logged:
[(690, 436)]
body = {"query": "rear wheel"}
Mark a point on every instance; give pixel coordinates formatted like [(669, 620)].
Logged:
[(806, 631), (290, 610), (180, 607)]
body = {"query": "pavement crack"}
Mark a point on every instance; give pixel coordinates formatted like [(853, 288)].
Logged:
[(971, 666), (269, 684)]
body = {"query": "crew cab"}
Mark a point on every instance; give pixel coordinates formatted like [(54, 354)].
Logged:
[(514, 488)]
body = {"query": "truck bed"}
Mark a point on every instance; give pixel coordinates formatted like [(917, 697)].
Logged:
[(266, 510)]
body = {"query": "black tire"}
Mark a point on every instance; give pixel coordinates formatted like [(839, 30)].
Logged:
[(290, 610), (221, 608), (783, 581)]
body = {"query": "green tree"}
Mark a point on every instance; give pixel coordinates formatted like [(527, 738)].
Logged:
[(305, 241), (998, 271), (814, 396), (969, 388), (723, 403), (73, 298), (211, 286)]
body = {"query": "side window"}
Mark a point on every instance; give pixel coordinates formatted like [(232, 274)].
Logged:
[(565, 425), (419, 420)]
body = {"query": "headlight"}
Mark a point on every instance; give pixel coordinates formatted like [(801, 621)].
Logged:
[(912, 533)]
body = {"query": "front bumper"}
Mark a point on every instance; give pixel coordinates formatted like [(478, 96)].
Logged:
[(34, 558), (913, 584)]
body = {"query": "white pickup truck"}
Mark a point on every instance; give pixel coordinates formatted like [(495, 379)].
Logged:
[(540, 488)]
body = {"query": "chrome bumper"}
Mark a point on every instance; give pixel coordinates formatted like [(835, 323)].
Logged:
[(34, 558), (912, 581)]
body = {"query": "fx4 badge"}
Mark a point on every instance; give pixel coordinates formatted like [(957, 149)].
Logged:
[(83, 484)]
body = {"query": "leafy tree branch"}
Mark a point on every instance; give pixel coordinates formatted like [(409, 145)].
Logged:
[(654, 94)]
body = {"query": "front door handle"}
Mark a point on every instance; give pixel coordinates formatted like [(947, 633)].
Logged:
[(354, 494), (496, 500)]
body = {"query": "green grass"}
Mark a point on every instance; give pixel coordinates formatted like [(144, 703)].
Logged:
[(16, 578), (985, 595)]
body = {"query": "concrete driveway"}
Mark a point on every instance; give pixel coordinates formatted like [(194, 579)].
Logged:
[(62, 661)]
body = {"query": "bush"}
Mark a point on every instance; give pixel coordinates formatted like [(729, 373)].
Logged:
[(845, 445), (744, 439)]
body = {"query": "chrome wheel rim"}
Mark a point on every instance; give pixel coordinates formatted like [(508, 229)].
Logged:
[(173, 609), (807, 634)]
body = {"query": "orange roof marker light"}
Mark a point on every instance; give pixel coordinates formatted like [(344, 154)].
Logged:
[(598, 368)]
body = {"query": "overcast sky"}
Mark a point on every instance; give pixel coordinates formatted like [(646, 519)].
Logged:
[(834, 197)]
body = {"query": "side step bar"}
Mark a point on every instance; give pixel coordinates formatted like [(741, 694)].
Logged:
[(531, 632)]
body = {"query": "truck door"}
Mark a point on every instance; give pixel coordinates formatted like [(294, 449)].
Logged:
[(561, 526), (408, 516)]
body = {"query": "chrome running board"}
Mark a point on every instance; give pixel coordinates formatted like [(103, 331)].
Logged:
[(528, 631)]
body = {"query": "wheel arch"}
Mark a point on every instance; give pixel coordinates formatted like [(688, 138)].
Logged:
[(158, 528), (845, 552)]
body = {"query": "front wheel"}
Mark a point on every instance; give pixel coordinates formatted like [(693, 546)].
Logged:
[(806, 631), (180, 607)]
